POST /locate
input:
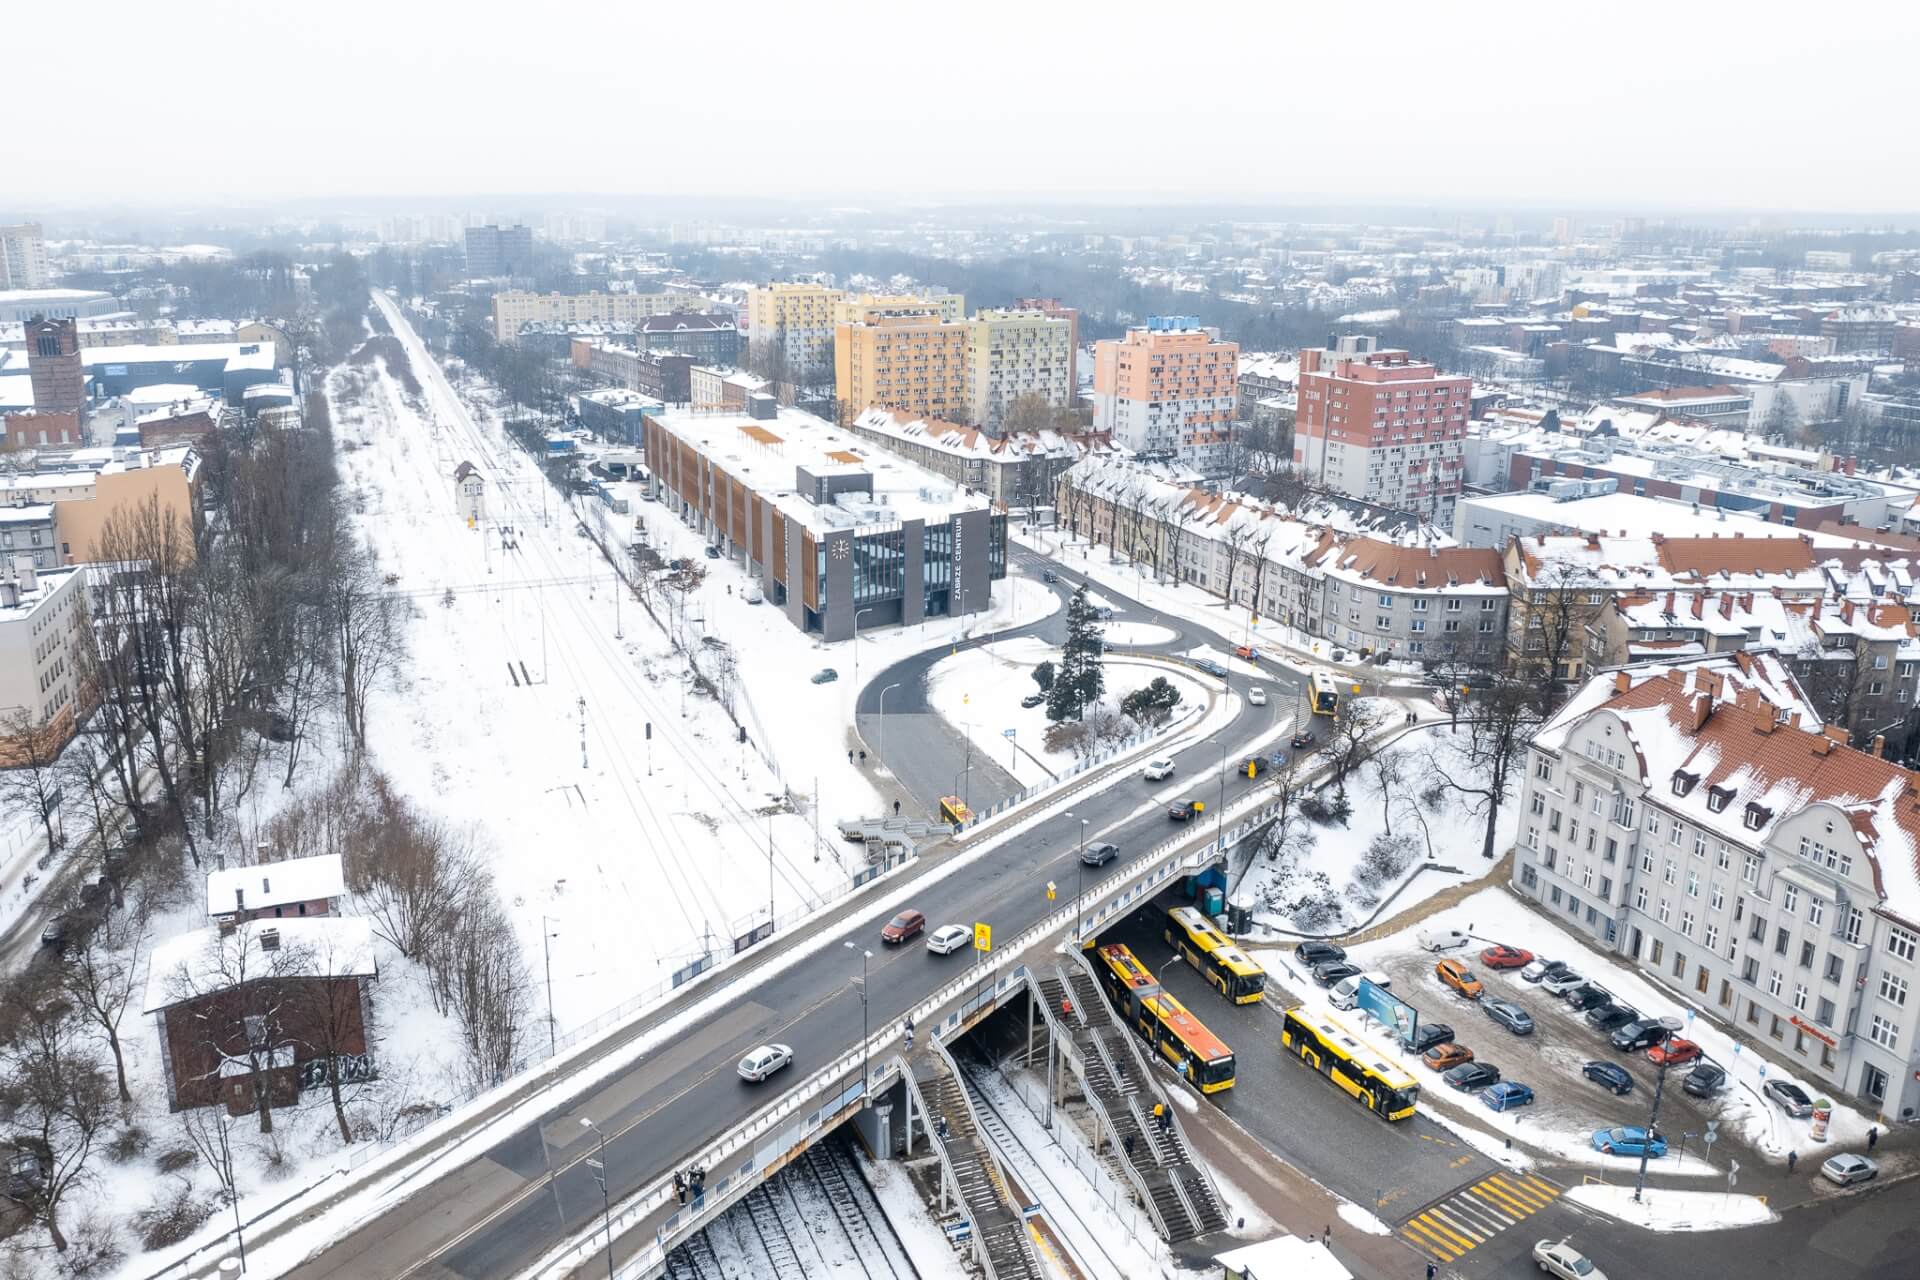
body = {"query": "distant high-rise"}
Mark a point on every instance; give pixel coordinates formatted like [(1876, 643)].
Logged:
[(499, 251), (23, 257), (1382, 426), (58, 376), (1167, 390)]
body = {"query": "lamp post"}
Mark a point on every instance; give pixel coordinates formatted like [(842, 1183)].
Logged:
[(769, 873), (546, 932), (856, 640), (1220, 814), (965, 771), (1653, 1127), (866, 1065), (606, 1198), (1080, 878), (883, 717)]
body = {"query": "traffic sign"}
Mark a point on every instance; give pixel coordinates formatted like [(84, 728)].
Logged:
[(983, 937), (1006, 733), (1049, 891)]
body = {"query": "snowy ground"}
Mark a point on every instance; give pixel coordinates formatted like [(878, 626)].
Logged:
[(1569, 1108), (1663, 1209), (978, 691), (1449, 832), (924, 1239), (1121, 632)]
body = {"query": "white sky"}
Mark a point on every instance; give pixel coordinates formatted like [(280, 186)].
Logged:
[(1687, 104)]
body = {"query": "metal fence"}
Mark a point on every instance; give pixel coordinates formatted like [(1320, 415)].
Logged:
[(1134, 743)]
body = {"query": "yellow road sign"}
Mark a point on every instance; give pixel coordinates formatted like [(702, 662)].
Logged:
[(983, 937), (1049, 891)]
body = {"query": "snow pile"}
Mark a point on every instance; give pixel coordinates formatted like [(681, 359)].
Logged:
[(1661, 1209)]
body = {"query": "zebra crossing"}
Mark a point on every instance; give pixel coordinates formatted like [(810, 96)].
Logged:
[(1476, 1213)]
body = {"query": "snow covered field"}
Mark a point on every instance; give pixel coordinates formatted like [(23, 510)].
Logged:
[(1664, 1209)]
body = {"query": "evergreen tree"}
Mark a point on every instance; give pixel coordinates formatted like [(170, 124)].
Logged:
[(1079, 680)]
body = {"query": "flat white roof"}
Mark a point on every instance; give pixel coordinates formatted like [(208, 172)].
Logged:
[(270, 884), (193, 964)]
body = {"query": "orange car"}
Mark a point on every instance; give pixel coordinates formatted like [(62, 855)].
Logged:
[(1674, 1052), (1443, 1056), (1456, 975)]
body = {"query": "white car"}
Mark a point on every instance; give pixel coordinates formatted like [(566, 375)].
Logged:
[(1558, 1258), (1561, 983), (1158, 769), (1346, 992), (1442, 939), (948, 938), (1257, 696), (764, 1061), (1846, 1169)]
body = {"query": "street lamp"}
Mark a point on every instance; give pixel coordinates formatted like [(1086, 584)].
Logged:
[(856, 640), (883, 716), (966, 771), (546, 932), (606, 1198), (1080, 879), (866, 1065), (1220, 814)]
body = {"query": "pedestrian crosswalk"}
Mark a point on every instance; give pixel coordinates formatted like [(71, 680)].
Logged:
[(1476, 1213)]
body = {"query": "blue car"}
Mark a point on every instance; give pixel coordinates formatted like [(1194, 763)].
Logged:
[(1506, 1095), (1628, 1140)]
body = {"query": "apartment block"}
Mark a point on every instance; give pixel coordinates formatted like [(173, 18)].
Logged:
[(499, 251), (1058, 310), (40, 615), (1011, 354), (1381, 426), (1697, 818), (864, 308), (799, 317), (1168, 390), (23, 257), (914, 362), (514, 311)]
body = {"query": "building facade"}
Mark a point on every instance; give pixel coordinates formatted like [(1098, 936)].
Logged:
[(514, 311), (913, 361), (23, 257), (799, 318), (1168, 390), (864, 308), (709, 338), (1013, 354), (839, 536), (1696, 819), (1018, 468), (40, 617), (1055, 309), (1381, 426), (499, 251), (56, 366)]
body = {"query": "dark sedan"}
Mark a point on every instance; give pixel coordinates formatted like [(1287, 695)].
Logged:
[(1312, 953), (1588, 997), (1509, 1015), (1471, 1075), (1704, 1080), (1430, 1034), (1641, 1034), (1610, 1076), (1332, 971), (1609, 1018)]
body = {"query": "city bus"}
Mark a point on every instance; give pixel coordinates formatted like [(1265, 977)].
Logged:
[(1164, 1023), (1329, 1048), (1226, 966), (1325, 688)]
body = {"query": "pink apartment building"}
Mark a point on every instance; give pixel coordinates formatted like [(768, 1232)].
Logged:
[(1383, 427), (1168, 390)]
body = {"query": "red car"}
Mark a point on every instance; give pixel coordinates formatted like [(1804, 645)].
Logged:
[(903, 926), (1673, 1052), (1499, 957)]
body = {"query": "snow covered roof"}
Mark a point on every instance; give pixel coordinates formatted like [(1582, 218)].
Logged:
[(1285, 1258), (1009, 446), (192, 964), (272, 884)]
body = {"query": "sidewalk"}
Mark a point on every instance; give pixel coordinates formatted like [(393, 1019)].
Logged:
[(1298, 1204)]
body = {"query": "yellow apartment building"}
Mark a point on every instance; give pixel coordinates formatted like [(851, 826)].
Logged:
[(1016, 353), (800, 314), (865, 307), (916, 363)]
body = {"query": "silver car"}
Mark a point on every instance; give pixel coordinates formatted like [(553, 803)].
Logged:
[(1846, 1169), (1558, 1258), (764, 1061)]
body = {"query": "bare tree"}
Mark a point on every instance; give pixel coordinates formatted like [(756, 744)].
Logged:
[(240, 987), (55, 1098), (1504, 712), (484, 980), (411, 874), (1245, 534), (1554, 609), (209, 1130), (102, 970), (1351, 742), (367, 633), (331, 1015), (31, 779), (1389, 769)]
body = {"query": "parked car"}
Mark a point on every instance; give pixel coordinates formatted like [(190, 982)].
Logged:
[(1509, 1015), (1185, 810), (825, 675), (54, 935), (1673, 1053), (1346, 992), (1312, 953), (1609, 1018), (1048, 575), (1444, 1057), (1099, 853), (949, 938), (1211, 667), (1564, 1262), (1629, 1140), (1610, 1076), (713, 552), (764, 1061), (1561, 983), (1033, 699), (1302, 741), (1257, 696), (1542, 967), (1454, 974), (752, 594), (1705, 1079), (1846, 1169), (903, 926), (1248, 652), (1429, 1034), (1643, 1033), (1441, 939), (1472, 1076), (1328, 972), (1789, 1097), (1506, 1095), (1500, 956), (1158, 769), (1581, 999)]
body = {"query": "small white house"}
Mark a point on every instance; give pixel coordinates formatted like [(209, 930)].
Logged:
[(472, 488)]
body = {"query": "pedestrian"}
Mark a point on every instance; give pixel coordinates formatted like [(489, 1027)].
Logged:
[(680, 1188), (1873, 1137), (1793, 1158), (1326, 1236), (1066, 1007), (1432, 1271), (896, 808), (1126, 1144), (863, 759), (849, 757)]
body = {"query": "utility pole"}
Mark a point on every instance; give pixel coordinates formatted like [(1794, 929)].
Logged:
[(1653, 1123), (606, 1197), (769, 873), (582, 702), (545, 933), (226, 1157), (866, 1036)]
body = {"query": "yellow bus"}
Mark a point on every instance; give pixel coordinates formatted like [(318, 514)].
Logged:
[(1326, 692), (1329, 1048), (1210, 951), (1164, 1023)]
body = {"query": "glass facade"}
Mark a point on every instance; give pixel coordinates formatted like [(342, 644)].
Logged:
[(879, 566)]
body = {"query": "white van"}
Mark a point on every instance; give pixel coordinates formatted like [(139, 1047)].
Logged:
[(1347, 990), (1443, 939), (752, 595)]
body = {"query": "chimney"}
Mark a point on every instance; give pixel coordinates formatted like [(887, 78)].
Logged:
[(239, 898), (1880, 744), (1726, 605), (1698, 599), (24, 571)]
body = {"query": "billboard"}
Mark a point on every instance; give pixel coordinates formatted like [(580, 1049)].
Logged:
[(1396, 1015)]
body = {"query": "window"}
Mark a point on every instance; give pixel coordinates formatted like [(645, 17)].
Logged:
[(1774, 982), (1679, 964), (1668, 873), (1893, 989), (1855, 922), (1699, 844), (1823, 1012), (1756, 816), (1676, 834), (1653, 956), (1722, 856), (1640, 898), (1693, 884), (1712, 937), (1789, 897), (1752, 873), (1806, 955), (1653, 823), (1901, 943), (1646, 862), (1613, 850), (1834, 967), (1757, 929), (1883, 1032), (1586, 875), (1606, 888), (1780, 940), (1542, 769), (1666, 911), (1816, 911), (1527, 877), (1750, 970), (1554, 892), (1717, 897), (1539, 805), (1799, 997), (1686, 923)]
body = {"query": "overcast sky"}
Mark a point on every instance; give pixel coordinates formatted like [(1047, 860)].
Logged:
[(1671, 105)]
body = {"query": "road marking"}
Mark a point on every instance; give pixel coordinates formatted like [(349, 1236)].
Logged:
[(1474, 1214)]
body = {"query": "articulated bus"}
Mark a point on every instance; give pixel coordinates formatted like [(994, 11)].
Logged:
[(1329, 1048), (1164, 1023), (1214, 955), (1326, 692)]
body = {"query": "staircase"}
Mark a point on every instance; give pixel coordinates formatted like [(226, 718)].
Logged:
[(1119, 1086), (999, 1229)]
